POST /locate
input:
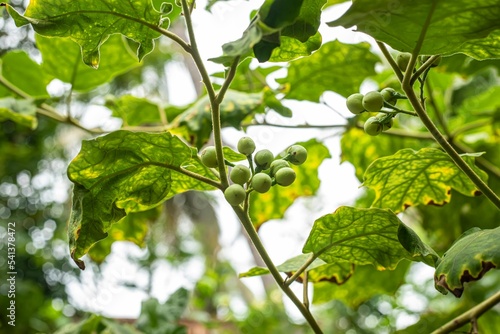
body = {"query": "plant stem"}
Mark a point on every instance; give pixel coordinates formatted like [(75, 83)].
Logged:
[(214, 103), (252, 233), (391, 60), (469, 316), (425, 66), (301, 270), (448, 148)]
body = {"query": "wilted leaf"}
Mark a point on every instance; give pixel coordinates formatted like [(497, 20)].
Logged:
[(90, 23), (469, 258), (125, 172), (410, 178), (61, 58), (470, 27), (273, 204), (133, 227), (336, 67)]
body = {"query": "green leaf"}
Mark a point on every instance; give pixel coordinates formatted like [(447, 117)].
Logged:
[(90, 23), (163, 318), (232, 156), (364, 284), (284, 24), (61, 58), (359, 236), (291, 48), (361, 150), (125, 172), (273, 204), (468, 259), (133, 227), (22, 112), (409, 178), (135, 111), (25, 74), (234, 109), (334, 67), (272, 102), (469, 27), (317, 271)]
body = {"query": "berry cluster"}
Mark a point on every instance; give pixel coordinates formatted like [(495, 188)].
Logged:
[(268, 171), (374, 101)]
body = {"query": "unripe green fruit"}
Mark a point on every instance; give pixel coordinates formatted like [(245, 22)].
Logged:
[(261, 182), (246, 146), (373, 101), (209, 157), (355, 103), (235, 194), (372, 126), (240, 174), (277, 164), (263, 159), (403, 59), (389, 95), (298, 154), (285, 176)]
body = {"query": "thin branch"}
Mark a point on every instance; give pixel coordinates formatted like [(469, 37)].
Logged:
[(215, 105), (471, 315), (301, 270), (448, 148), (424, 68), (197, 176), (252, 233), (229, 78), (391, 60), (305, 291)]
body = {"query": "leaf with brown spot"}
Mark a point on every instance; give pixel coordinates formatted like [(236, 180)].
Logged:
[(468, 259), (409, 178)]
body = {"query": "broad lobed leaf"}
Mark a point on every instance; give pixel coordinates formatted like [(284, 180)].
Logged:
[(125, 172), (409, 178), (365, 236), (452, 26), (90, 23), (468, 259)]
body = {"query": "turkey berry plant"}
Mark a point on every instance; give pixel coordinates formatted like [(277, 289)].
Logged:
[(406, 171)]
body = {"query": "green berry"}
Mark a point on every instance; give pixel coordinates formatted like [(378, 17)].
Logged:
[(372, 126), (389, 95), (261, 182), (285, 176), (235, 194), (246, 146), (263, 159), (298, 154), (209, 157), (403, 59), (354, 103), (373, 101), (277, 164), (240, 174)]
